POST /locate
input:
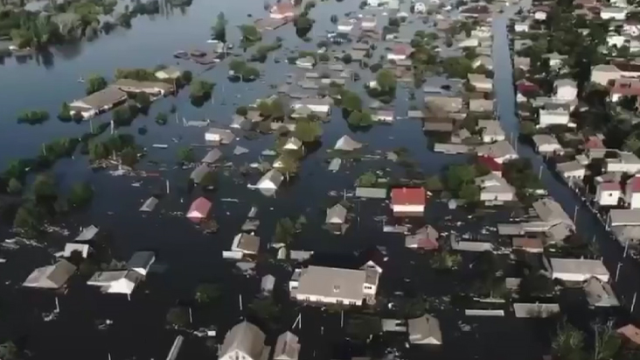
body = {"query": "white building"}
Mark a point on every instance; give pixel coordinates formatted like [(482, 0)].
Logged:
[(141, 261), (571, 170), (244, 341), (632, 193), (521, 27), (577, 270), (608, 193), (115, 282), (602, 74), (495, 189), (546, 144), (491, 131), (345, 26), (222, 136), (469, 42), (631, 28), (334, 285), (373, 3), (565, 90), (613, 13), (420, 8), (553, 116), (626, 162), (540, 15), (270, 181), (424, 330)]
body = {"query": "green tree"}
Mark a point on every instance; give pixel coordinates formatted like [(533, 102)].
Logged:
[(367, 179), (289, 165), (308, 130), (351, 101), (284, 232), (303, 24), (568, 343), (360, 119), (469, 193), (81, 194), (129, 156), (433, 183), (219, 30), (446, 260), (9, 351), (209, 180), (607, 342), (44, 187), (186, 77), (361, 328), (178, 316), (347, 59), (536, 285), (459, 175), (98, 150), (527, 128), (386, 80), (457, 67), (201, 89), (242, 111), (143, 100), (186, 155), (14, 186), (96, 83), (266, 309), (162, 118), (250, 34), (29, 220), (65, 112), (208, 293)]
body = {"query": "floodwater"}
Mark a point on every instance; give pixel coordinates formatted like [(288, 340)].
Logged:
[(191, 257)]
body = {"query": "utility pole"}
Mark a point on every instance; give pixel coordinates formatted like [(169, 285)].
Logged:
[(575, 215), (540, 172), (633, 303), (240, 301), (618, 271), (626, 247)]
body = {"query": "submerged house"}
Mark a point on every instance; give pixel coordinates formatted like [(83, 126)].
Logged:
[(287, 347), (408, 201), (270, 181), (199, 209), (425, 330), (425, 238), (212, 156), (198, 174), (50, 277), (346, 143), (246, 244), (98, 102), (336, 214), (116, 282), (221, 136), (244, 341), (141, 261), (329, 285), (87, 233)]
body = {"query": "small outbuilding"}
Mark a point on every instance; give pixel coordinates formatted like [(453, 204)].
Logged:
[(425, 330), (199, 209)]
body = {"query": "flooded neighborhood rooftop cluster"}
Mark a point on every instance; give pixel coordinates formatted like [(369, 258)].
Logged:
[(319, 179)]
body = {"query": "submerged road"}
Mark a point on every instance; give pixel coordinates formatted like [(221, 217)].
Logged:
[(588, 225)]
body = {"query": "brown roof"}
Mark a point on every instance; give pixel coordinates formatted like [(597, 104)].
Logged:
[(626, 87), (631, 332), (626, 66), (527, 243)]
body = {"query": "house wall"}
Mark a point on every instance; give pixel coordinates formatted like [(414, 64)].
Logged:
[(235, 355), (633, 199), (567, 93), (549, 148), (608, 198), (496, 196), (548, 118), (212, 137), (521, 28), (408, 208), (327, 299), (345, 28), (577, 277), (613, 16), (492, 138), (578, 174), (540, 15), (603, 77), (319, 108), (622, 167)]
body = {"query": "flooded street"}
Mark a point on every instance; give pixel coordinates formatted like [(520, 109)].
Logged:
[(185, 255)]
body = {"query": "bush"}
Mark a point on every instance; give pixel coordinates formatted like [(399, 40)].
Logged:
[(162, 118), (81, 195), (242, 111), (33, 117)]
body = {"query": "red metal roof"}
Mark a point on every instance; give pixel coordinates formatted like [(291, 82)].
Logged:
[(490, 162), (199, 208), (594, 142), (408, 196), (610, 186), (402, 49), (633, 184)]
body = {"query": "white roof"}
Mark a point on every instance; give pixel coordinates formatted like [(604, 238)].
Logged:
[(87, 233), (332, 282), (52, 276), (578, 266), (244, 338), (69, 248)]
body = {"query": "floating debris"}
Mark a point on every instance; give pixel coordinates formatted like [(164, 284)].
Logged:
[(239, 150), (269, 153)]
